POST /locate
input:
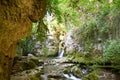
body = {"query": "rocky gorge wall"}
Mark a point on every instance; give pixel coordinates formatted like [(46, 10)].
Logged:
[(16, 17), (94, 35)]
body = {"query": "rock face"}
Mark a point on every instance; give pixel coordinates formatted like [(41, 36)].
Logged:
[(72, 42), (16, 17), (75, 41)]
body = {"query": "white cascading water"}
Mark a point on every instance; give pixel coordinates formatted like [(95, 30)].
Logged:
[(71, 77), (61, 47), (61, 53)]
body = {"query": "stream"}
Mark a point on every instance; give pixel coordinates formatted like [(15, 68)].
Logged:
[(58, 68)]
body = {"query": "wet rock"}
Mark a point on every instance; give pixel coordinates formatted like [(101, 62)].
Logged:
[(48, 52), (25, 63), (35, 60), (55, 76), (27, 75), (74, 41), (28, 65), (67, 70), (37, 48), (77, 71), (107, 75), (71, 42)]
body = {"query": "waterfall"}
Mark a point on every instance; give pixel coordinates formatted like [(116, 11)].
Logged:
[(61, 53), (61, 46), (71, 77)]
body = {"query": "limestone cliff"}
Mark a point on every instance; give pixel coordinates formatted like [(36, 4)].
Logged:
[(16, 17)]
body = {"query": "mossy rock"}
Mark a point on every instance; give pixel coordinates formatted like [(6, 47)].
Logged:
[(67, 70), (28, 65), (37, 76), (76, 71), (49, 52), (35, 60), (91, 76), (53, 52), (34, 78)]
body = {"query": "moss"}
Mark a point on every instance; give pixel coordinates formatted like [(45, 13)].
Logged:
[(67, 70), (76, 71), (35, 60), (34, 78), (91, 76), (49, 52), (28, 65), (53, 52)]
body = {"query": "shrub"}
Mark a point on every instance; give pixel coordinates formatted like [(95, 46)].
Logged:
[(112, 51)]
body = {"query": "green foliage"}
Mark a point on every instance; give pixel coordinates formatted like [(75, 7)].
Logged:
[(64, 10), (80, 12), (91, 76), (82, 57), (53, 7), (27, 45), (89, 32), (39, 31), (116, 4), (45, 51), (79, 60), (112, 52), (98, 19), (97, 61)]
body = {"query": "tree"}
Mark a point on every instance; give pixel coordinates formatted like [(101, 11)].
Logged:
[(16, 17)]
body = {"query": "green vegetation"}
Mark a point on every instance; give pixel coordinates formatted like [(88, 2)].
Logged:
[(91, 76), (94, 23), (100, 21), (112, 52), (39, 32), (93, 27)]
